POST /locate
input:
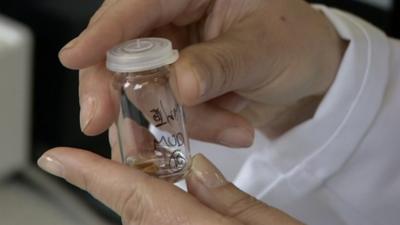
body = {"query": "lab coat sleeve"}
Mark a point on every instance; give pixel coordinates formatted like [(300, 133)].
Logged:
[(341, 166)]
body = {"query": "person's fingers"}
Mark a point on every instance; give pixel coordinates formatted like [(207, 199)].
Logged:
[(137, 197), (123, 20), (100, 12), (97, 100), (274, 120), (222, 127), (214, 68), (180, 37), (207, 122), (192, 13), (208, 185), (231, 102)]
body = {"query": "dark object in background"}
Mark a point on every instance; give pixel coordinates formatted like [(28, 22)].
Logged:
[(395, 26)]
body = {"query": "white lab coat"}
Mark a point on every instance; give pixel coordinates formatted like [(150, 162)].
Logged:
[(343, 165)]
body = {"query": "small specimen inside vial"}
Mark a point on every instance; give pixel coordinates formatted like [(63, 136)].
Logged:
[(165, 163)]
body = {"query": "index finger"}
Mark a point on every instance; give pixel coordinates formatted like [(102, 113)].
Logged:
[(137, 197), (121, 21)]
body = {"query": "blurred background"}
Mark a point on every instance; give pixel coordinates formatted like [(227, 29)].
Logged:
[(40, 110)]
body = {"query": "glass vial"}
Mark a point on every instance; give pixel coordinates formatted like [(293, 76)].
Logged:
[(151, 124)]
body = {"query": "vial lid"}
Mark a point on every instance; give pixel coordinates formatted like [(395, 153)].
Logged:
[(141, 54)]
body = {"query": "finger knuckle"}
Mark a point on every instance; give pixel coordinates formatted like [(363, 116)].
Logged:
[(244, 206), (87, 181), (104, 6), (226, 67), (90, 181), (133, 206), (199, 65)]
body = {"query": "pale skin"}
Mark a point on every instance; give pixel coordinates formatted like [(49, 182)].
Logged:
[(262, 64)]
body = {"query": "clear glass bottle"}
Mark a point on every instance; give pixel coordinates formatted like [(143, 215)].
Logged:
[(151, 124)]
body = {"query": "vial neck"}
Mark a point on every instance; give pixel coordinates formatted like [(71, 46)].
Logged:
[(157, 71)]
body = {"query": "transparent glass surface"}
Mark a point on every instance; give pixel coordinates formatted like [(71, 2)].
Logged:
[(151, 125)]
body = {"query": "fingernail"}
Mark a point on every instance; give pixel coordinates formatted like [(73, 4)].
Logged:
[(236, 137), (205, 172), (112, 136), (241, 105), (51, 165), (69, 45), (189, 82), (202, 87), (88, 109)]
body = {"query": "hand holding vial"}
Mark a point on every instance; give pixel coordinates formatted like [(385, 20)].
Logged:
[(238, 60), (145, 200)]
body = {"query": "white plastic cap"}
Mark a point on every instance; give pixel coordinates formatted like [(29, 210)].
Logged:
[(140, 55)]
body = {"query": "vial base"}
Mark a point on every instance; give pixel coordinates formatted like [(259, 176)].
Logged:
[(164, 163), (152, 169)]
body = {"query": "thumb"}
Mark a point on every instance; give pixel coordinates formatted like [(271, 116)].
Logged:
[(210, 69), (208, 185)]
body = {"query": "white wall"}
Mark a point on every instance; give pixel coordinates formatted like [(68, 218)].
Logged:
[(15, 59)]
